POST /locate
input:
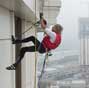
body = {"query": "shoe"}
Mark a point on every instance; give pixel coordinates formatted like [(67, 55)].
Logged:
[(13, 39), (49, 53), (11, 67)]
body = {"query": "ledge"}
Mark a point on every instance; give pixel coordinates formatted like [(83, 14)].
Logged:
[(20, 8)]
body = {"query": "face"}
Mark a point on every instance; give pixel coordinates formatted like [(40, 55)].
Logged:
[(53, 29)]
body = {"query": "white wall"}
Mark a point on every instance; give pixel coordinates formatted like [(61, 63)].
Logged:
[(84, 40), (6, 77), (28, 63), (32, 4)]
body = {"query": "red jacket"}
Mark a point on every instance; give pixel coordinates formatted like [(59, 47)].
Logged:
[(49, 45)]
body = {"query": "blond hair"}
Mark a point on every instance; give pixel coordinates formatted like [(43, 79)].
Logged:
[(58, 28)]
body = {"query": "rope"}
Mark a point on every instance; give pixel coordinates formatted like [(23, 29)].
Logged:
[(44, 63), (3, 39), (41, 14), (45, 60), (35, 51), (11, 29), (43, 67), (29, 28)]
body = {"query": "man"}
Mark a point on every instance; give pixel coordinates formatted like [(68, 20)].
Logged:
[(51, 40)]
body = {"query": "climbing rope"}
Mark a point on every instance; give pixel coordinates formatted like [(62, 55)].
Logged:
[(35, 51), (33, 24), (44, 63), (46, 55), (43, 68), (41, 16)]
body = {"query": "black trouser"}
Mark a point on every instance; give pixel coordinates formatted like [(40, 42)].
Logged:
[(36, 47)]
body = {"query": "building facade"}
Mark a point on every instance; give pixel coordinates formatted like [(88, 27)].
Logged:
[(16, 17), (84, 40)]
